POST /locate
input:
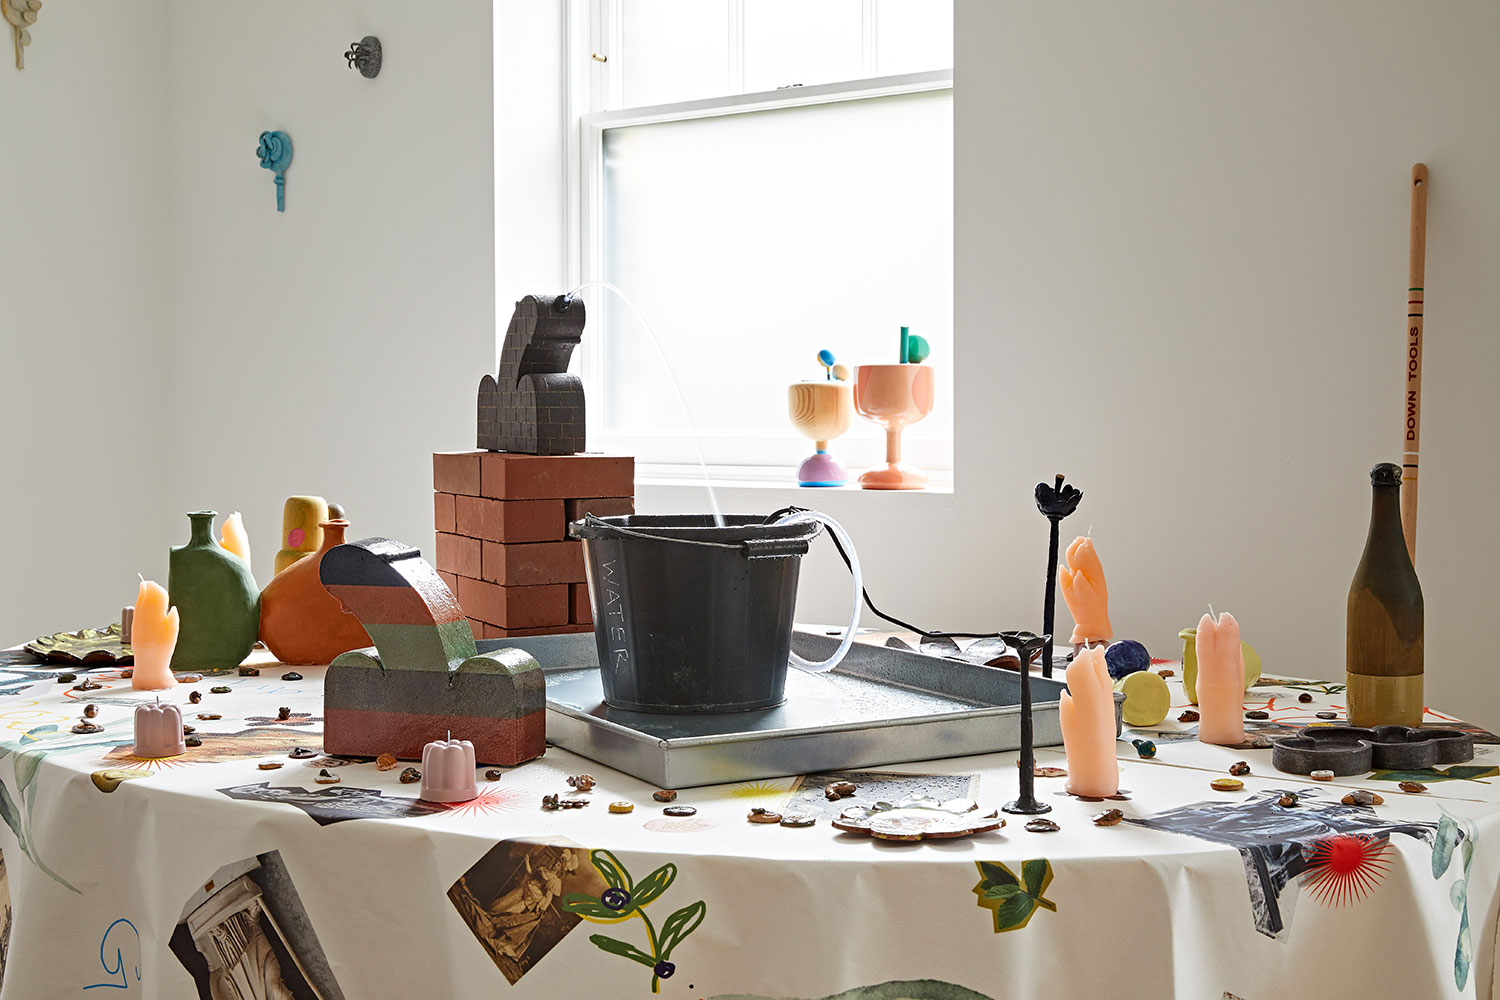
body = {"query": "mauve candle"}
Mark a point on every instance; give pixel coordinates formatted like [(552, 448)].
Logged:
[(158, 731), (448, 771)]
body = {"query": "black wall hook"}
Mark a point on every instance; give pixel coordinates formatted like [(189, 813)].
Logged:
[(365, 55)]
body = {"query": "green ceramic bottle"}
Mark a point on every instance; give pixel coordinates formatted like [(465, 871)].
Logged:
[(216, 598)]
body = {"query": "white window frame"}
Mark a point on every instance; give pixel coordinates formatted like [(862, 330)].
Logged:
[(594, 27)]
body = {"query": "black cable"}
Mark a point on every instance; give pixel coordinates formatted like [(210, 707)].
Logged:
[(777, 515)]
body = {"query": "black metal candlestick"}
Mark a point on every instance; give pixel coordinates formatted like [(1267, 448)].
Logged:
[(1056, 503), (1026, 644)]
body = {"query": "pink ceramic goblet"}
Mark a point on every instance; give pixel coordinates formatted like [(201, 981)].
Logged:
[(893, 396)]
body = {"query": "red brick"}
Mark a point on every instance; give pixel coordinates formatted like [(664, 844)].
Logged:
[(501, 633), (511, 520), (444, 512), (456, 472), (508, 476), (458, 555), (531, 564), (513, 607), (450, 580), (599, 507), (580, 612)]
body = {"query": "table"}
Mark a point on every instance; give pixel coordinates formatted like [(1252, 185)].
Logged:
[(206, 874)]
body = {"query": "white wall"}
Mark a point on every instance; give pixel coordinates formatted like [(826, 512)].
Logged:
[(330, 349), (83, 411)]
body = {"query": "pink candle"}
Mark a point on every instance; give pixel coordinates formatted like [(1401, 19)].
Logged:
[(1087, 713), (158, 731), (448, 771), (1221, 681), (1083, 588), (153, 636)]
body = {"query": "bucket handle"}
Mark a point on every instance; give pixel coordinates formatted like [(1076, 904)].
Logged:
[(751, 548)]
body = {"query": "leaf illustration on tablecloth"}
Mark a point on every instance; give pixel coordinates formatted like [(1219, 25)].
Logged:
[(1427, 775), (1013, 900), (626, 898), (1457, 833)]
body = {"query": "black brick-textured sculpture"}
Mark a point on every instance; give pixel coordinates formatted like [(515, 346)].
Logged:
[(535, 407)]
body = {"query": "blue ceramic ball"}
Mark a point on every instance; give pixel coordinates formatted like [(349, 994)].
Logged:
[(1126, 657)]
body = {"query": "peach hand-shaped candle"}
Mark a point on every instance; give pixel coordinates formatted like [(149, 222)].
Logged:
[(234, 537), (1083, 588), (1221, 681), (153, 637), (1087, 713)]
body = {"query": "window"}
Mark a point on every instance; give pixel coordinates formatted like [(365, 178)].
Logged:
[(764, 179)]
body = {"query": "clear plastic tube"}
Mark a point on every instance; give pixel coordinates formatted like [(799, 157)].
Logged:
[(818, 667)]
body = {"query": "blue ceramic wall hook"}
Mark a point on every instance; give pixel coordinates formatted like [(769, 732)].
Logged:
[(275, 152)]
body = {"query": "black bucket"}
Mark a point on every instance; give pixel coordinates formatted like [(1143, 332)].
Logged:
[(690, 617)]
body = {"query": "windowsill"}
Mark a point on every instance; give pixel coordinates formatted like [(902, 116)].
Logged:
[(772, 477)]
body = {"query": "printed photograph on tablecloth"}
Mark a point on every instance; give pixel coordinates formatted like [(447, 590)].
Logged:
[(336, 803), (1279, 844), (809, 798), (511, 899), (917, 989), (245, 934), (219, 747), (4, 918)]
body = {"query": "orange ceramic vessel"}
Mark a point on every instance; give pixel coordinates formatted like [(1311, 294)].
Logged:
[(893, 396), (300, 621)]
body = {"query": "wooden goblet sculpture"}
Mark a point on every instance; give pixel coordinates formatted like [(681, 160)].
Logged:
[(894, 396), (821, 411)]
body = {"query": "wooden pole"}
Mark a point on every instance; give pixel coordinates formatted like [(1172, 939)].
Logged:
[(1412, 391)]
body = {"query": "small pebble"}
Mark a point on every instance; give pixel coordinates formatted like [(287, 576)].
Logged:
[(283, 713), (66, 678), (664, 795), (324, 778), (188, 730), (1362, 797), (1257, 715), (1226, 784), (761, 815), (622, 807), (1287, 800), (1049, 772), (1044, 825), (302, 753), (549, 802), (1145, 748), (582, 782), (835, 790), (1189, 716), (1305, 698), (1412, 786), (208, 716), (798, 819), (269, 765), (291, 675), (1167, 673), (189, 678), (572, 803), (1328, 715), (493, 774), (1108, 817), (679, 811), (87, 727), (409, 775), (127, 673), (219, 689), (89, 711), (1321, 775), (249, 671), (192, 741), (386, 762), (87, 684), (195, 696), (1239, 767)]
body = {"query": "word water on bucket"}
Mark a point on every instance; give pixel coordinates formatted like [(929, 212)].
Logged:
[(695, 616)]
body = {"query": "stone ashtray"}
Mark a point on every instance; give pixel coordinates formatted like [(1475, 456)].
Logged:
[(1350, 750)]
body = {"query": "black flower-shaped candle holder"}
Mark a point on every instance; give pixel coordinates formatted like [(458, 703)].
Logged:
[(1055, 502)]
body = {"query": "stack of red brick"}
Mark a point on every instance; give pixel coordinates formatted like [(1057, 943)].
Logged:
[(502, 534)]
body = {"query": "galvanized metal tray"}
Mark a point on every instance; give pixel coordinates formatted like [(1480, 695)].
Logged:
[(880, 706)]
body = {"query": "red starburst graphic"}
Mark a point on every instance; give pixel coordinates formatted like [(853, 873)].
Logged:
[(489, 800), (1345, 868)]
